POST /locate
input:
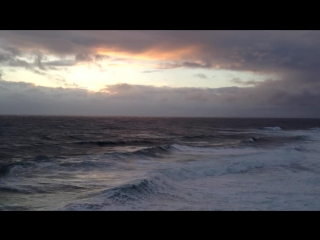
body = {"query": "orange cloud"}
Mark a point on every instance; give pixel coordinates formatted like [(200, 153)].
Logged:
[(156, 53)]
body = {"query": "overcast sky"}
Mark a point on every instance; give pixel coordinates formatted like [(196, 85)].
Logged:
[(161, 73)]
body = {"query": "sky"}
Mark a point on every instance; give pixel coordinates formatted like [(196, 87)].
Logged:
[(169, 73)]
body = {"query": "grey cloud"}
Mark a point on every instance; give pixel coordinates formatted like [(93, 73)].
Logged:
[(123, 86), (119, 59), (38, 66), (61, 63), (19, 63), (236, 80), (200, 75), (90, 58), (38, 61), (12, 50), (59, 42), (83, 57), (179, 64), (152, 71), (62, 82), (99, 57), (8, 59), (72, 42), (241, 82), (138, 100), (268, 51), (4, 57), (196, 65), (293, 56)]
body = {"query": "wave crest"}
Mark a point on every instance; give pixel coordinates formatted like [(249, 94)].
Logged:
[(125, 194)]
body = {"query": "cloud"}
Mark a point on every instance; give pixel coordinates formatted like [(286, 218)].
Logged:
[(38, 60), (99, 57), (34, 61), (291, 56), (12, 60), (139, 100), (241, 82), (177, 64), (151, 71), (4, 57), (61, 63), (242, 50), (83, 57), (196, 65), (200, 75)]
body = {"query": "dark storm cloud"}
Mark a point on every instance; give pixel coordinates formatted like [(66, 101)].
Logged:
[(138, 100)]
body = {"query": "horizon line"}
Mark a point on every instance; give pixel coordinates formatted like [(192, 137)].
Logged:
[(130, 116)]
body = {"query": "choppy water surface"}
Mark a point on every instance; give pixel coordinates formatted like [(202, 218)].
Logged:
[(119, 163)]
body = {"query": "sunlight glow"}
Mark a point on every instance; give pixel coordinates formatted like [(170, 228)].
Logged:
[(156, 53)]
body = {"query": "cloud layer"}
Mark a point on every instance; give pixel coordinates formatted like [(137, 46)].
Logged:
[(237, 50), (137, 100), (292, 56)]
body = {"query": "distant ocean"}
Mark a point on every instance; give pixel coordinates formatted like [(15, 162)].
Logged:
[(158, 164)]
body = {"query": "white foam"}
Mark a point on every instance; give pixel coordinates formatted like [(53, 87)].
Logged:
[(225, 179), (272, 128), (250, 140), (191, 178), (212, 151)]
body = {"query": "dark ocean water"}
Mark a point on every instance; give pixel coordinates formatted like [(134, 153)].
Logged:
[(127, 163)]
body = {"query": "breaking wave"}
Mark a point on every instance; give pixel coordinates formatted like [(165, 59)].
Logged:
[(154, 151), (172, 184), (135, 192)]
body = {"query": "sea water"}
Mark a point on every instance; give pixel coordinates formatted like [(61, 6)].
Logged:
[(158, 164)]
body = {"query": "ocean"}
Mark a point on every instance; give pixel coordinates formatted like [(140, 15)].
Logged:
[(65, 163)]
